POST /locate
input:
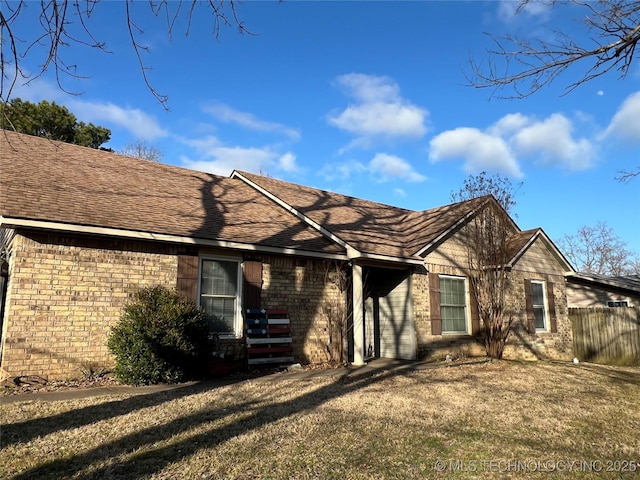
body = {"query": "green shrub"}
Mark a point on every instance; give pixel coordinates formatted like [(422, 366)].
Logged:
[(161, 337)]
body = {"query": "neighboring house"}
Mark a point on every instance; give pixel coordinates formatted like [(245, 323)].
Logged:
[(588, 290), (82, 229)]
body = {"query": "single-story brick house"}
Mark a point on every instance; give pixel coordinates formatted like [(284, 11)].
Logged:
[(82, 229)]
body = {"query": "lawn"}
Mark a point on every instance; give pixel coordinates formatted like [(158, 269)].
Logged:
[(483, 420)]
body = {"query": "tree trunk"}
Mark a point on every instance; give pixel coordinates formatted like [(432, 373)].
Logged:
[(494, 347)]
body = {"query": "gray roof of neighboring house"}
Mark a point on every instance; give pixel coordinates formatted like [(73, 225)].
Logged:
[(627, 284)]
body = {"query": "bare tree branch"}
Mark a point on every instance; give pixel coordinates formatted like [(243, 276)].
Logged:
[(64, 23), (599, 250), (626, 176), (613, 26)]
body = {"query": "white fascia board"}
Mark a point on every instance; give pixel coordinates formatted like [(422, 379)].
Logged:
[(526, 246), (385, 258), (9, 222), (554, 250), (301, 216), (444, 234), (352, 253)]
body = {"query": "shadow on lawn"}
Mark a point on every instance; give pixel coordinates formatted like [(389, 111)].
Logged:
[(102, 462), (23, 432), (153, 461)]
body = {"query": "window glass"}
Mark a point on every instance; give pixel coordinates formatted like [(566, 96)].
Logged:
[(218, 294), (537, 291), (453, 305)]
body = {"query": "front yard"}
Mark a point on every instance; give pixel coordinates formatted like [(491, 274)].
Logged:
[(484, 420)]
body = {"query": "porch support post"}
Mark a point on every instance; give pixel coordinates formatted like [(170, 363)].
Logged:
[(358, 317)]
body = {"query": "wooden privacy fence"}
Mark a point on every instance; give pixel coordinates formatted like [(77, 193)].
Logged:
[(606, 335)]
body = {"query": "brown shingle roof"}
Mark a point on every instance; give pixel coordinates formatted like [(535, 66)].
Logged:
[(369, 227), (518, 241), (53, 181), (57, 182)]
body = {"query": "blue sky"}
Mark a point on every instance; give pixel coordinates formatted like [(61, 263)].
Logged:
[(363, 98)]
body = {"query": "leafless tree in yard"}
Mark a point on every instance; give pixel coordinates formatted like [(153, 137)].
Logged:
[(599, 250), (488, 253)]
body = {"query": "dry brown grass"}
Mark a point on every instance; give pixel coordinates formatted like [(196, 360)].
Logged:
[(382, 424)]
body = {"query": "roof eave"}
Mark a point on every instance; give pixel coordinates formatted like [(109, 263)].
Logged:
[(12, 222)]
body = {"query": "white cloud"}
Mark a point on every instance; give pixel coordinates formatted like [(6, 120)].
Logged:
[(480, 151), (399, 192), (551, 139), (211, 156), (389, 167), (140, 124), (509, 10), (202, 145), (625, 124), (379, 112), (228, 114), (223, 160), (383, 166), (508, 124), (600, 93), (341, 170), (515, 137), (287, 162), (37, 90)]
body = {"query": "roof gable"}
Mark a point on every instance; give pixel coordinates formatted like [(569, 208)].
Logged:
[(520, 242), (368, 227)]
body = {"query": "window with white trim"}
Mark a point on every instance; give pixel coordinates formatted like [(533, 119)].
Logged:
[(539, 303), (453, 304), (219, 294)]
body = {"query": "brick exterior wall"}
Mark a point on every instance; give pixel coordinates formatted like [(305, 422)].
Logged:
[(63, 295), (538, 263), (65, 292), (315, 296)]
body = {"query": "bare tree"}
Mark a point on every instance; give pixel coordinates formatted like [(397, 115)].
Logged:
[(50, 25), (140, 149), (599, 250), (523, 66), (614, 31), (488, 234)]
